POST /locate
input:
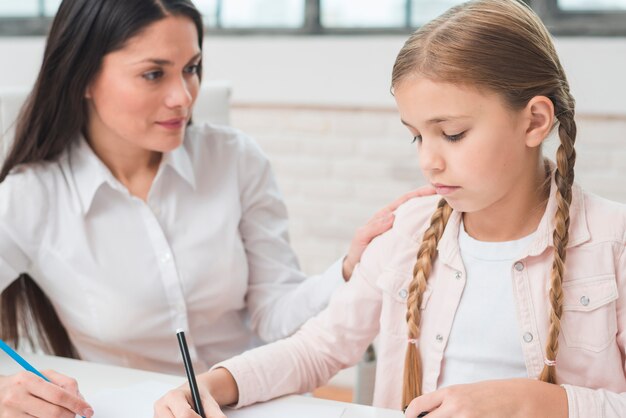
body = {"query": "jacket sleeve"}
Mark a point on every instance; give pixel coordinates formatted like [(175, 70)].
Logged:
[(600, 403), (280, 297), (333, 340)]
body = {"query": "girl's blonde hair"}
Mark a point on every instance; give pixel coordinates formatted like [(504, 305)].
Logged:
[(502, 46)]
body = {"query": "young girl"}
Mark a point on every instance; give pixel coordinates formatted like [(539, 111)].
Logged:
[(121, 222), (513, 307)]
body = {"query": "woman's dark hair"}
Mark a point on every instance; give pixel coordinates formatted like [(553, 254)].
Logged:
[(54, 114)]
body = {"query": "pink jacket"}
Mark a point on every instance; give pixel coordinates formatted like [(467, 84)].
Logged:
[(591, 358)]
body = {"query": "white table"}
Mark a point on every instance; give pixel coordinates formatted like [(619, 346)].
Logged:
[(93, 377)]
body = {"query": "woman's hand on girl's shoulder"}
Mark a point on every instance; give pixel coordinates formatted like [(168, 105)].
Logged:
[(25, 394), (381, 222), (511, 398)]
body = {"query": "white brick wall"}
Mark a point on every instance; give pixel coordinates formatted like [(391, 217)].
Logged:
[(337, 166)]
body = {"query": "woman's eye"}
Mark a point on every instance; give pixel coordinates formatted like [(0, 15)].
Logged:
[(417, 138), (152, 75), (454, 138), (193, 69)]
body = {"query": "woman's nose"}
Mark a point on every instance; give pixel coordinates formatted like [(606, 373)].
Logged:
[(180, 94)]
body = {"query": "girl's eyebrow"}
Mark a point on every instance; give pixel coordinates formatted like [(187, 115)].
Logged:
[(439, 119), (446, 118)]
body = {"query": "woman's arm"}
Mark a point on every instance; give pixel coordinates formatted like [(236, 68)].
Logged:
[(280, 297)]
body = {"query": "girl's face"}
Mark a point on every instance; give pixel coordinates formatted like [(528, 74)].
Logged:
[(471, 146), (144, 92)]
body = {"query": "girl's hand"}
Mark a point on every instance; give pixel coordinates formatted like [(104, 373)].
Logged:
[(379, 223), (217, 387), (177, 404), (27, 395), (510, 398)]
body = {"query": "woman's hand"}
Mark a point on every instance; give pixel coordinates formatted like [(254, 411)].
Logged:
[(27, 395), (217, 387), (510, 398), (379, 223)]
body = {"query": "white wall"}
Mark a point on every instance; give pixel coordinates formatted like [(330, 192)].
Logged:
[(352, 71)]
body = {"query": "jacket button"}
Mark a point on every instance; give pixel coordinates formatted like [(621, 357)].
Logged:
[(439, 337), (519, 266), (528, 337), (403, 293), (457, 275), (584, 301)]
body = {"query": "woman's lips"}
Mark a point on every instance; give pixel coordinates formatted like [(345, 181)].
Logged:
[(172, 123)]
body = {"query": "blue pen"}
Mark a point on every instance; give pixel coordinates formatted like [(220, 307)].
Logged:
[(21, 361)]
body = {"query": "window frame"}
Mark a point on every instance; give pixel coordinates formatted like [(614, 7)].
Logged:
[(580, 23), (559, 22)]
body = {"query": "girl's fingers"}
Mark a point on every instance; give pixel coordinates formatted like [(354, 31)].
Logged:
[(428, 402), (211, 408), (177, 404), (162, 411), (182, 409)]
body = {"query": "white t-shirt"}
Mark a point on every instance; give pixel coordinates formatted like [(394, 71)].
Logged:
[(485, 341), (208, 253)]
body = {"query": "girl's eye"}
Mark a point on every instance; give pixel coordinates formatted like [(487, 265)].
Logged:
[(152, 75), (455, 138), (193, 69), (417, 138)]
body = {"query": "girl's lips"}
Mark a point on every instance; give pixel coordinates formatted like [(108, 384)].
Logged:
[(443, 189)]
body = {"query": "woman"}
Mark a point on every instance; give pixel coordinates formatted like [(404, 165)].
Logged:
[(134, 222)]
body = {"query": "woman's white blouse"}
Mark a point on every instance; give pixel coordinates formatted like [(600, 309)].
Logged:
[(208, 252)]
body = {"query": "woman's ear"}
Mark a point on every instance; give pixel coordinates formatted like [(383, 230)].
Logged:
[(540, 117), (88, 92)]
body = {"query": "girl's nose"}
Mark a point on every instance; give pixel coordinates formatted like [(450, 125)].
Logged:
[(430, 156)]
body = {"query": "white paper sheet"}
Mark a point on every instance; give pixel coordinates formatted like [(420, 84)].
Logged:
[(286, 409), (137, 401)]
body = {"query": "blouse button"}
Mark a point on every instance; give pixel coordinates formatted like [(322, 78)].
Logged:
[(528, 337), (584, 301), (403, 293), (519, 266)]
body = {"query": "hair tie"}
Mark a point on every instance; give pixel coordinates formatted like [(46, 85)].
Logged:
[(413, 341), (549, 363)]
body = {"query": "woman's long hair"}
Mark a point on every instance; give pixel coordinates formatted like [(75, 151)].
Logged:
[(502, 46), (54, 114)]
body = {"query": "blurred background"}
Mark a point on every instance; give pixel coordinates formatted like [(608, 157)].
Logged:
[(310, 82)]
